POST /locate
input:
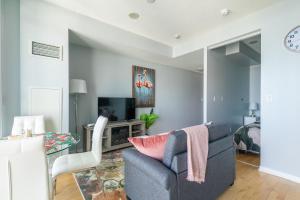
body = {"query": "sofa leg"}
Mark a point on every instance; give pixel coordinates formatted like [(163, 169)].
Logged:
[(128, 198), (232, 183)]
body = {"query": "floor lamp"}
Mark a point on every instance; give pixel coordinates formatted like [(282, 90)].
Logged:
[(77, 87)]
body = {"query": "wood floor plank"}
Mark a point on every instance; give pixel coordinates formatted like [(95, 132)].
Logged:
[(250, 184), (67, 188)]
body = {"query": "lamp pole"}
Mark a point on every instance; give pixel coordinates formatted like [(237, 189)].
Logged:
[(77, 87), (76, 119)]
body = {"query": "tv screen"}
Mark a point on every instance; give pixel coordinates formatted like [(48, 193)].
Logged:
[(116, 109)]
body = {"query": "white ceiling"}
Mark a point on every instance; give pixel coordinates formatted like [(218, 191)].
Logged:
[(192, 61), (164, 18)]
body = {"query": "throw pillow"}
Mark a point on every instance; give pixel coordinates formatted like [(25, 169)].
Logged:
[(153, 146)]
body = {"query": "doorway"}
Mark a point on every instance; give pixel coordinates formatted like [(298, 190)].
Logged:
[(233, 93)]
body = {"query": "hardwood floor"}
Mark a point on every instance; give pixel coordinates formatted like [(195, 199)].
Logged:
[(254, 185), (66, 188), (250, 184), (250, 158)]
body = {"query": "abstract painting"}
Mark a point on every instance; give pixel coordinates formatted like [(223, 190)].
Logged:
[(143, 86)]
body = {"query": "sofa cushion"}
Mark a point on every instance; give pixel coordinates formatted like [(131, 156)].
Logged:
[(218, 131), (177, 143), (153, 169), (179, 162), (153, 146)]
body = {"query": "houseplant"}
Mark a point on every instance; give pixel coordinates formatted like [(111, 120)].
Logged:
[(149, 119)]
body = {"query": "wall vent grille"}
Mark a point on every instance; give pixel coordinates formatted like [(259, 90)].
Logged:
[(46, 50)]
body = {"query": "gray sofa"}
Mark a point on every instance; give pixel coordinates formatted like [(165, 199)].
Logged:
[(150, 179)]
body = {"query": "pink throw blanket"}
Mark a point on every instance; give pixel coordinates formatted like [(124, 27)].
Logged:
[(197, 150)]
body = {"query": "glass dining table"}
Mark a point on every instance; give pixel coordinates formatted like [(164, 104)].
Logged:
[(54, 142)]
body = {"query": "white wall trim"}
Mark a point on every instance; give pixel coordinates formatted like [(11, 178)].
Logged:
[(280, 174)]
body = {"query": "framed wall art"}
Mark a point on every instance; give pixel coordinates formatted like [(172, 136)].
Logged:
[(143, 86)]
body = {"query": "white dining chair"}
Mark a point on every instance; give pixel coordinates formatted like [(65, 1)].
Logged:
[(80, 161), (34, 123), (23, 170)]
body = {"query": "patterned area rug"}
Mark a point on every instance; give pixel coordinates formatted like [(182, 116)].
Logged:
[(110, 181)]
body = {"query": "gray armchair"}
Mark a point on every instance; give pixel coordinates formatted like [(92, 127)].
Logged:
[(150, 179)]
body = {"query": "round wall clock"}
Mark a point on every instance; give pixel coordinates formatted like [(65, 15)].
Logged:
[(292, 40)]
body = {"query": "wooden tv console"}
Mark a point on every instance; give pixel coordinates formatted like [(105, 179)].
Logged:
[(115, 134)]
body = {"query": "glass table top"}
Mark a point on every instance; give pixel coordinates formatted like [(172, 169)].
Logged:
[(57, 142), (54, 142)]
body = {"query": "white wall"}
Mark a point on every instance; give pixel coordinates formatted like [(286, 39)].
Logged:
[(178, 98), (227, 88), (255, 84), (50, 24), (10, 63), (38, 24), (280, 82), (279, 68)]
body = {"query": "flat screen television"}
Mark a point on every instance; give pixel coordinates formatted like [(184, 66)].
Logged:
[(116, 109)]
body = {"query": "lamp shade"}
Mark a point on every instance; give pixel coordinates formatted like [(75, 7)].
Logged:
[(253, 106), (78, 86)]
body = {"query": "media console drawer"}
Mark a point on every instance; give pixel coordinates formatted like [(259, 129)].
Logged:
[(115, 135)]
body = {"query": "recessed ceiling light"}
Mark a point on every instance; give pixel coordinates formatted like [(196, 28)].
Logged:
[(225, 12), (150, 1), (177, 36), (134, 15)]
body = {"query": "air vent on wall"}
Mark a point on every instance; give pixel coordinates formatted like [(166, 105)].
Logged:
[(241, 52), (46, 50)]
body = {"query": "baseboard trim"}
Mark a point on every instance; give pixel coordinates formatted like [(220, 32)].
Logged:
[(280, 174)]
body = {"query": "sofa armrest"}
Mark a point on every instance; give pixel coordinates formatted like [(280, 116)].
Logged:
[(152, 168)]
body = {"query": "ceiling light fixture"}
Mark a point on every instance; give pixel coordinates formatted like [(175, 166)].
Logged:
[(134, 15), (150, 1), (225, 12), (177, 36)]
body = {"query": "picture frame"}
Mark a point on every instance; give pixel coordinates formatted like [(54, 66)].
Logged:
[(143, 86)]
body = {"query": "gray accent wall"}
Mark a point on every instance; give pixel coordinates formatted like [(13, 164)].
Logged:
[(178, 92), (10, 63), (227, 88)]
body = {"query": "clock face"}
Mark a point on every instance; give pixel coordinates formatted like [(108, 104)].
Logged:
[(292, 40)]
